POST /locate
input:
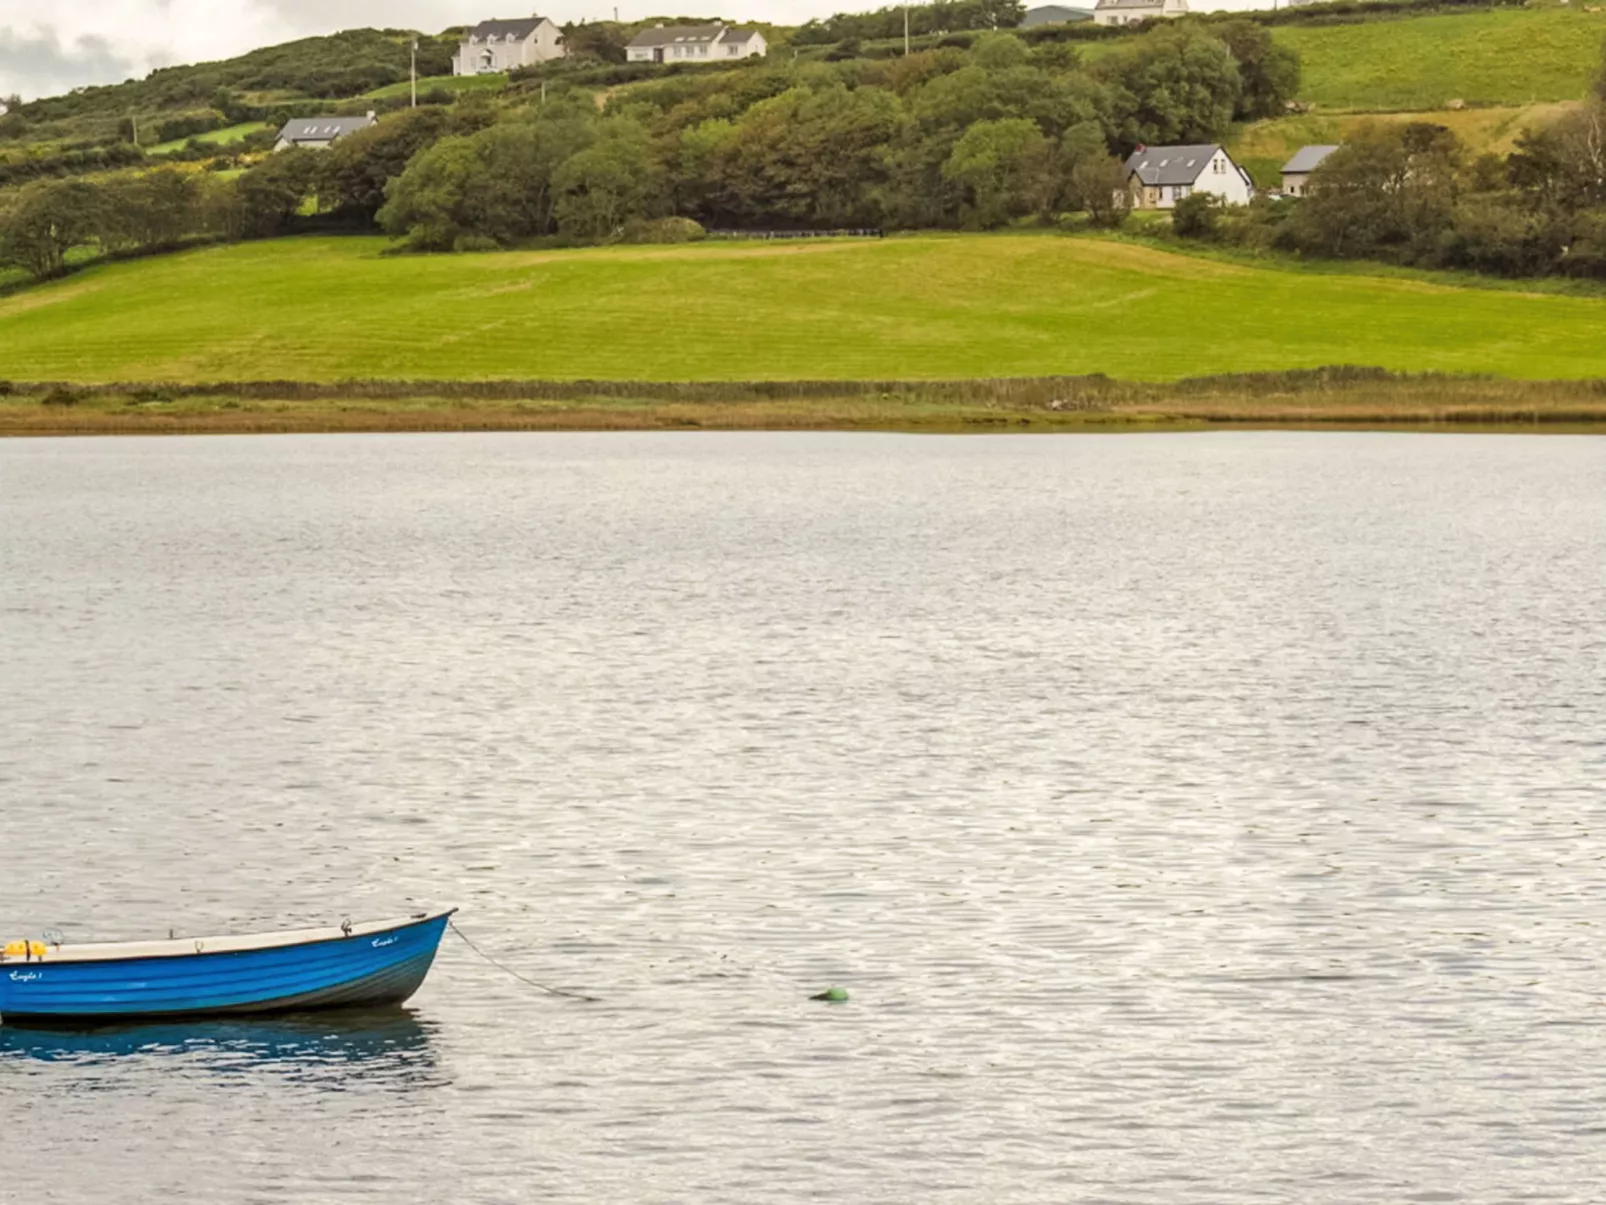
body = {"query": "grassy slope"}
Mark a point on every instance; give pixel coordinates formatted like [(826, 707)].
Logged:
[(1503, 56), (927, 308), (451, 83), (224, 137)]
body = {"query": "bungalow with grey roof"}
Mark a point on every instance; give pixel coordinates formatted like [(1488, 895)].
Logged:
[(1054, 14), (492, 47), (320, 133), (1158, 177), (1130, 12), (695, 44), (1296, 172)]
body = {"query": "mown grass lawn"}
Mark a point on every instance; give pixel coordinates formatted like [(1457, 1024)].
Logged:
[(930, 307), (1502, 56)]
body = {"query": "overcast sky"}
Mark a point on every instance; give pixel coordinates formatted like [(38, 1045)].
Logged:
[(50, 46)]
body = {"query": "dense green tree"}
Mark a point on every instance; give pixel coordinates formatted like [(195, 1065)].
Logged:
[(149, 211), (1390, 191), (274, 191), (1098, 186), (359, 166), (47, 222), (602, 187), (1174, 85), (1269, 72), (496, 184), (1006, 168)]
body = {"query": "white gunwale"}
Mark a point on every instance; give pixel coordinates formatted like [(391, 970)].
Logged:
[(191, 947)]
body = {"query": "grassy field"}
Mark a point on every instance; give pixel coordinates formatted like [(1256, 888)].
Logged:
[(224, 137), (451, 83), (930, 307), (1498, 57)]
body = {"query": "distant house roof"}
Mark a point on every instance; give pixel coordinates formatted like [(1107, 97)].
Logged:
[(322, 129), (1106, 5), (1159, 166), (517, 30), (667, 35), (738, 33), (1308, 159), (1054, 14)]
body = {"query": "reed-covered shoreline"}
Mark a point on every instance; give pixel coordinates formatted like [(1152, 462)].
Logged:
[(1339, 396)]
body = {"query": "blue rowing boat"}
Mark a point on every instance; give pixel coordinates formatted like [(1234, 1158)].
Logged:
[(368, 965)]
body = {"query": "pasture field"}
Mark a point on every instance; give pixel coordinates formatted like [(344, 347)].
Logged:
[(1502, 56), (451, 83), (918, 308), (224, 137)]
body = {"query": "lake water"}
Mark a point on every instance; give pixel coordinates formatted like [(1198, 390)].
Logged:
[(1192, 818)]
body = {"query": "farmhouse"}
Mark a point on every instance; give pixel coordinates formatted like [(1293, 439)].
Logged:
[(695, 44), (1054, 14), (320, 133), (492, 47), (1296, 172), (1157, 177), (1130, 12)]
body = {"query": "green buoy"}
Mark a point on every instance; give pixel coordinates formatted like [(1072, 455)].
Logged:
[(836, 995)]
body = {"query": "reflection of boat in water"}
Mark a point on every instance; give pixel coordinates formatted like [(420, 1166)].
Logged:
[(354, 966), (384, 1045)]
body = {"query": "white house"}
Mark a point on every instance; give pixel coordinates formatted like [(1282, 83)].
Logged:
[(320, 133), (1157, 177), (695, 44), (492, 47), (1296, 172), (1130, 12)]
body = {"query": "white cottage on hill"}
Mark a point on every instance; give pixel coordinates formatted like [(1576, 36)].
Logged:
[(1130, 12), (492, 47), (695, 44), (1157, 177)]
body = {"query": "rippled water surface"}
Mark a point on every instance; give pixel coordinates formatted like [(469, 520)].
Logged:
[(1193, 818)]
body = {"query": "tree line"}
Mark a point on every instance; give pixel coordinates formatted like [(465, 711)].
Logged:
[(943, 138)]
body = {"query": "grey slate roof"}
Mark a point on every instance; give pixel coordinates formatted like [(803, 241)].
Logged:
[(322, 129), (667, 35), (1159, 166), (1308, 159), (501, 29), (1054, 14)]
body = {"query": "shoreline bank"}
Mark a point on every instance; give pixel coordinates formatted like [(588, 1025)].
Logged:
[(1330, 397)]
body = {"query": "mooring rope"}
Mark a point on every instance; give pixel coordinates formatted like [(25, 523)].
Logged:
[(553, 991)]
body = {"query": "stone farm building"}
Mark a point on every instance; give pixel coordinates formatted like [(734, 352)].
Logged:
[(1130, 12), (492, 47), (319, 133), (695, 44), (1296, 172), (1157, 177)]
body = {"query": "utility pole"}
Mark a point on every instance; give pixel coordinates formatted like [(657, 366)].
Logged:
[(905, 31), (415, 73)]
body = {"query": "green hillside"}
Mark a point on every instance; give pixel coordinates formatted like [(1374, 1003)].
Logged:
[(1503, 56), (928, 307)]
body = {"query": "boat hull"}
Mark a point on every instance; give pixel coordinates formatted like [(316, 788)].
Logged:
[(370, 970)]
